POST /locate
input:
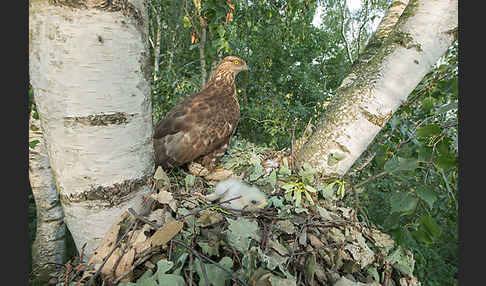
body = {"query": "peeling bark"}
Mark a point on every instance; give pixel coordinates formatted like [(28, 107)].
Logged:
[(90, 71), (394, 62), (49, 245)]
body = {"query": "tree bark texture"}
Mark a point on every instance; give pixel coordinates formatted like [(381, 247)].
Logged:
[(49, 246), (90, 73), (378, 84)]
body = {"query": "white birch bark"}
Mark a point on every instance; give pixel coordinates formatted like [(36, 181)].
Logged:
[(89, 69), (377, 86), (49, 245)]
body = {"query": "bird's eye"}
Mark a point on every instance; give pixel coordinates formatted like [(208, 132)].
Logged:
[(254, 202), (237, 62)]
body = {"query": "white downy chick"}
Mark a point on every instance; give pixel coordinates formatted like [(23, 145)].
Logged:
[(251, 197)]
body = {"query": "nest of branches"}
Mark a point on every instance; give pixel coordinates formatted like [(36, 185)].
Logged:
[(306, 236)]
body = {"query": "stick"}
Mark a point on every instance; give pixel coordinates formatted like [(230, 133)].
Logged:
[(92, 279), (199, 255), (210, 205)]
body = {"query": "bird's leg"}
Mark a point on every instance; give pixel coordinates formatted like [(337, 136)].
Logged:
[(211, 160)]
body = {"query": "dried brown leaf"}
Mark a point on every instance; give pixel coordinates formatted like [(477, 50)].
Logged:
[(286, 226), (229, 16), (231, 5), (316, 242), (219, 175), (125, 264), (166, 233), (163, 197), (194, 38), (278, 247)]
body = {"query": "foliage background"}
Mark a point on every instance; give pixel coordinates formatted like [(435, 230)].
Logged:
[(406, 183), (295, 67)]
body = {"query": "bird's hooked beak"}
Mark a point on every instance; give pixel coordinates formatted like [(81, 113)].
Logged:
[(246, 67), (262, 205)]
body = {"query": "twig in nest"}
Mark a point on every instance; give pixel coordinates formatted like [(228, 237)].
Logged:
[(124, 250), (190, 269), (143, 219), (208, 206), (201, 256), (81, 264), (316, 249), (68, 271), (92, 279), (171, 246), (203, 270), (144, 256)]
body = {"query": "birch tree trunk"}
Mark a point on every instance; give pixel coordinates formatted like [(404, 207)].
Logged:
[(49, 246), (395, 61), (89, 69)]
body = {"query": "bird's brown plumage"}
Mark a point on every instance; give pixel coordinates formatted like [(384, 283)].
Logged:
[(201, 125)]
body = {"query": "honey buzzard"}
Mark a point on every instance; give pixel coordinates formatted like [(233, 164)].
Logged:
[(200, 126)]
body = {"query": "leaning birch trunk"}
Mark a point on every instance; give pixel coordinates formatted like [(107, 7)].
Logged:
[(89, 69), (49, 246), (377, 86)]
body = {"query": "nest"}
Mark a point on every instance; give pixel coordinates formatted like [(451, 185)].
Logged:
[(314, 240)]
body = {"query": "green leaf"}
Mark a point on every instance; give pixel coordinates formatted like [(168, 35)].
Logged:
[(429, 225), (239, 232), (338, 156), (275, 201), (221, 31), (309, 198), (340, 191), (272, 178), (446, 161), (428, 130), (297, 197), (209, 250), (186, 21), (392, 221), (422, 236), (427, 194), (181, 260), (171, 279), (428, 230), (257, 172), (33, 143), (402, 236), (446, 107), (424, 153), (373, 273), (162, 278), (427, 104), (327, 191), (401, 164), (284, 170), (403, 203), (334, 158), (288, 186), (401, 261), (189, 180), (216, 275), (163, 266), (310, 189)]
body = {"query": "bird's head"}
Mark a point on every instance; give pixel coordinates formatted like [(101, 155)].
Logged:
[(253, 199), (234, 64)]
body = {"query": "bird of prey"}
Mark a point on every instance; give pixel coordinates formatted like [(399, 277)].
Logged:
[(200, 126), (251, 197)]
